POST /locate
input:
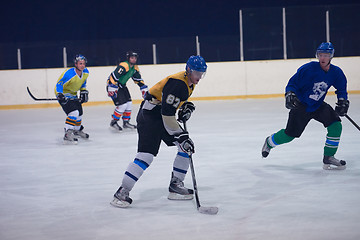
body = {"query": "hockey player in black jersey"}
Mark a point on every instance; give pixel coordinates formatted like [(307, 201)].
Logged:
[(156, 122)]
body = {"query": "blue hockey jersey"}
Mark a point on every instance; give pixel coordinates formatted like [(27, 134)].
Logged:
[(311, 83)]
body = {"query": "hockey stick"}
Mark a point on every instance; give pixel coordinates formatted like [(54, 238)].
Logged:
[(39, 99), (201, 209), (352, 121)]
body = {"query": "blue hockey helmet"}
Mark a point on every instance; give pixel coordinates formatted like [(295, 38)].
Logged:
[(79, 57), (196, 63), (326, 47)]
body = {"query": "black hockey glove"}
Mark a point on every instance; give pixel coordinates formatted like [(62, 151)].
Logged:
[(61, 98), (291, 100), (84, 96), (342, 106), (185, 111), (185, 143)]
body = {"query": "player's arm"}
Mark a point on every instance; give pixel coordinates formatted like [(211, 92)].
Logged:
[(140, 82), (174, 93), (342, 105), (60, 87), (291, 98)]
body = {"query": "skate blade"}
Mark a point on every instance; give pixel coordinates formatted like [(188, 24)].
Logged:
[(118, 203), (176, 196), (115, 130), (67, 142), (333, 167), (208, 210), (84, 137)]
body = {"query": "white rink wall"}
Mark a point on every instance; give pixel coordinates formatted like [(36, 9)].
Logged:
[(223, 80)]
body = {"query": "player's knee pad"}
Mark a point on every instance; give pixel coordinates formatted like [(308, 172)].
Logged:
[(121, 108), (143, 159), (128, 106), (74, 114)]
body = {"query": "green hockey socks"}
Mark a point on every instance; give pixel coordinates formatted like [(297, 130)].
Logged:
[(279, 138)]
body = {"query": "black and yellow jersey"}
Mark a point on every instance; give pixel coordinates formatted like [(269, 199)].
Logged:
[(169, 94), (172, 92)]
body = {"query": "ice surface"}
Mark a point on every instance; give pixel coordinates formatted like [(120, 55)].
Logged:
[(55, 191)]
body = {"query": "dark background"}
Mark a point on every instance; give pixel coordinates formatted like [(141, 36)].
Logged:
[(104, 30)]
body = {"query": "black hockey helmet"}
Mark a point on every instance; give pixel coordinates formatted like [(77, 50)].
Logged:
[(130, 54)]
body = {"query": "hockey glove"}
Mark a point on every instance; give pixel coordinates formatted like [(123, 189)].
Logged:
[(291, 100), (185, 143), (342, 107), (61, 98), (144, 89), (84, 96), (185, 111), (112, 90)]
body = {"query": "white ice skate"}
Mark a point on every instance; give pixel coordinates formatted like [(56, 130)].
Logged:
[(121, 198), (69, 137), (177, 191), (265, 149), (81, 133), (331, 163)]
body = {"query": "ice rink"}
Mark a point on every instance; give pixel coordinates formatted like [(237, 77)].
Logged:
[(55, 191)]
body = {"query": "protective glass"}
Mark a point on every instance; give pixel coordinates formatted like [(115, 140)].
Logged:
[(197, 74)]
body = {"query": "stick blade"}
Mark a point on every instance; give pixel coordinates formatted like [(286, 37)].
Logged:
[(208, 210)]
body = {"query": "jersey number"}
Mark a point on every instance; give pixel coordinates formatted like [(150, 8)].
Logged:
[(172, 100)]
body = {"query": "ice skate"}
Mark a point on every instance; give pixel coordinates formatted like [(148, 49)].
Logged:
[(177, 191), (69, 137), (265, 149), (331, 163), (81, 133), (128, 125), (121, 198), (115, 126)]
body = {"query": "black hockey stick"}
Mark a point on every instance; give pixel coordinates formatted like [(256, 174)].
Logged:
[(352, 121), (39, 99), (201, 209)]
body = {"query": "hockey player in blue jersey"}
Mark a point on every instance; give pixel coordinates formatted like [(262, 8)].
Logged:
[(69, 83), (305, 94)]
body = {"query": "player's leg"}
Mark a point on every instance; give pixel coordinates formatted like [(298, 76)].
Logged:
[(72, 113), (327, 115), (79, 128), (120, 102), (274, 140), (127, 116), (177, 190), (297, 121), (149, 141)]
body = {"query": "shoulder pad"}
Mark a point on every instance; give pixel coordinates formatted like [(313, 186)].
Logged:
[(124, 65)]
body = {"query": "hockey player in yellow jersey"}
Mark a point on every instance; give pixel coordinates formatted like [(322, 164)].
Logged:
[(156, 122), (69, 83), (119, 93)]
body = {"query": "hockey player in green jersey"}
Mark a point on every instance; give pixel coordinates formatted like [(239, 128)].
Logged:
[(119, 93)]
